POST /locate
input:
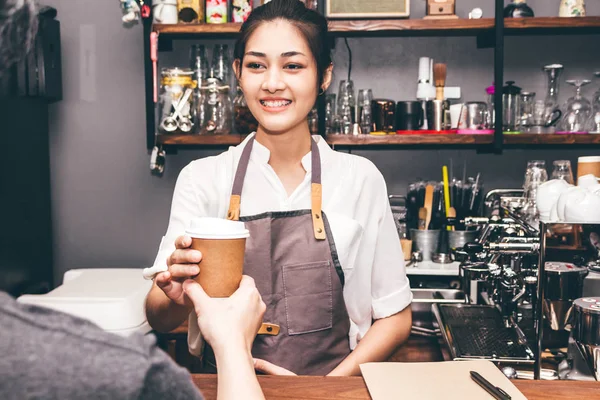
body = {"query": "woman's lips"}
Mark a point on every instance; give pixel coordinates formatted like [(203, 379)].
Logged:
[(275, 105)]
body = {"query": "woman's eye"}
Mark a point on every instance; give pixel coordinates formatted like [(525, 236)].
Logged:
[(294, 66), (253, 65)]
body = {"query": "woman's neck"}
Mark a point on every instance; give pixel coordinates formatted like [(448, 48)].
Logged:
[(286, 148)]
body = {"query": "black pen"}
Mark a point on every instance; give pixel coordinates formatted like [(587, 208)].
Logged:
[(491, 389)]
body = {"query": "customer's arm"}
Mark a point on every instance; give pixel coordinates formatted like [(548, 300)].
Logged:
[(230, 326)]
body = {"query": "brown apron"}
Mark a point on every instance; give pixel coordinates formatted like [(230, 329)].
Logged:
[(292, 257)]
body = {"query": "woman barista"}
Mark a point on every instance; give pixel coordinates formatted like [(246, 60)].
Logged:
[(323, 247)]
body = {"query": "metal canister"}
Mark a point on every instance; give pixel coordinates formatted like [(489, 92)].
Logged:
[(586, 331), (383, 113), (564, 284)]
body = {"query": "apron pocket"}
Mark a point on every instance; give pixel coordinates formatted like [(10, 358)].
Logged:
[(308, 297)]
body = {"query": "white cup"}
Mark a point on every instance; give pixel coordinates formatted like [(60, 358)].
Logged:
[(455, 110), (584, 207), (164, 12), (547, 196), (588, 180)]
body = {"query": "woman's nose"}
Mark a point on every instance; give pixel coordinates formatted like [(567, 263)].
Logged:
[(273, 81)]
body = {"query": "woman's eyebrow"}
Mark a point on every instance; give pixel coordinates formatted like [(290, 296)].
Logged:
[(285, 55)]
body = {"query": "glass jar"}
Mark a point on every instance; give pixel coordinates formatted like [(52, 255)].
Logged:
[(217, 108), (511, 99), (244, 121), (176, 103)]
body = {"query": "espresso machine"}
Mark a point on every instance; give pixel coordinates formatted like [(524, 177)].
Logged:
[(514, 310)]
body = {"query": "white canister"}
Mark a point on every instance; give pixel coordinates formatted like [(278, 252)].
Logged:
[(164, 12), (572, 8)]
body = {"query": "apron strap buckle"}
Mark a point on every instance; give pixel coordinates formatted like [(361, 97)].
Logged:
[(317, 215), (234, 207)]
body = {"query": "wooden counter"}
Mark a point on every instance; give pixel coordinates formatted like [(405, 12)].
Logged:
[(354, 388)]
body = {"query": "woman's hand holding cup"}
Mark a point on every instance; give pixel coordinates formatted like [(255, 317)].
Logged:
[(183, 265)]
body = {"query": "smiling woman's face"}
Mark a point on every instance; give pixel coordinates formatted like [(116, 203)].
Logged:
[(279, 77)]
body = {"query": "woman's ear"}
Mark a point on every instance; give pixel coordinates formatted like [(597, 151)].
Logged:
[(327, 76), (237, 70)]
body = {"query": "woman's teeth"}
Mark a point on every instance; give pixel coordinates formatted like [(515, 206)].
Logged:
[(278, 103)]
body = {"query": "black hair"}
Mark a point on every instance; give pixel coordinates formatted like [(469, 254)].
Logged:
[(18, 25), (310, 23)]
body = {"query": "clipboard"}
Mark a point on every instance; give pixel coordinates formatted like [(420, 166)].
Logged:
[(434, 380)]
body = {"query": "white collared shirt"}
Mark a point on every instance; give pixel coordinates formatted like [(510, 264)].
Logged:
[(355, 202)]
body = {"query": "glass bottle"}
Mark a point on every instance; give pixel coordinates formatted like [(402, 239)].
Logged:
[(490, 91), (313, 121), (221, 64), (218, 108), (518, 9), (244, 121), (199, 63), (177, 102), (365, 96)]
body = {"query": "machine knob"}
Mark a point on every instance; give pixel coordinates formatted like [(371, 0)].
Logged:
[(473, 248)]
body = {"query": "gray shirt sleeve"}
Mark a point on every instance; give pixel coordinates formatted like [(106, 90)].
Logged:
[(165, 380), (50, 355)]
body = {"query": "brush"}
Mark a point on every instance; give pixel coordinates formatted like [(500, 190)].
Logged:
[(439, 77)]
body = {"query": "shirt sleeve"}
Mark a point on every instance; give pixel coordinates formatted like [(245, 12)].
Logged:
[(390, 288), (191, 199), (166, 380)]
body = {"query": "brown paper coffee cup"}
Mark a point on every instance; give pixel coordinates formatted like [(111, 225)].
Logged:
[(588, 165), (222, 244)]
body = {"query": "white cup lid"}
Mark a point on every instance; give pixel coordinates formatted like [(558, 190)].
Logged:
[(589, 159), (217, 228)]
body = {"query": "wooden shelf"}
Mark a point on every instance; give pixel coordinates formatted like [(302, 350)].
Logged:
[(428, 139), (395, 140), (200, 140), (551, 25), (413, 27), (535, 139)]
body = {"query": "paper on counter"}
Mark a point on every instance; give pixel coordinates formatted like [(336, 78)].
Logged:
[(434, 380)]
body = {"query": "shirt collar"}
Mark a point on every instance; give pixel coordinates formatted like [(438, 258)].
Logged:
[(260, 154)]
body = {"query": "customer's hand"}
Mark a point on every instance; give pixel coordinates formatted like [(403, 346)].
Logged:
[(228, 322), (183, 264)]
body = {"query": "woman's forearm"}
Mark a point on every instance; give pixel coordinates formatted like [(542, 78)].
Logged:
[(380, 342), (162, 314)]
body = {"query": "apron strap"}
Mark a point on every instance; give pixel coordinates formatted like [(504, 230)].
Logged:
[(316, 188), (316, 192)]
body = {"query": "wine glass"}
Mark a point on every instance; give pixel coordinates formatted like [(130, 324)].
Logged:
[(594, 122), (577, 110)]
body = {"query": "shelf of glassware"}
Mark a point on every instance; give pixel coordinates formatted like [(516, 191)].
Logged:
[(396, 140), (414, 27)]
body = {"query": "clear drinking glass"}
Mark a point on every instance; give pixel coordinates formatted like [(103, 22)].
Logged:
[(330, 113), (365, 119), (526, 119), (535, 175), (562, 170), (347, 100), (578, 109), (594, 122)]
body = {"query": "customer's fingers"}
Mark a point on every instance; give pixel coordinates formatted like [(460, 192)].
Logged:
[(197, 295), (163, 279), (247, 281), (184, 256), (181, 271), (183, 242)]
